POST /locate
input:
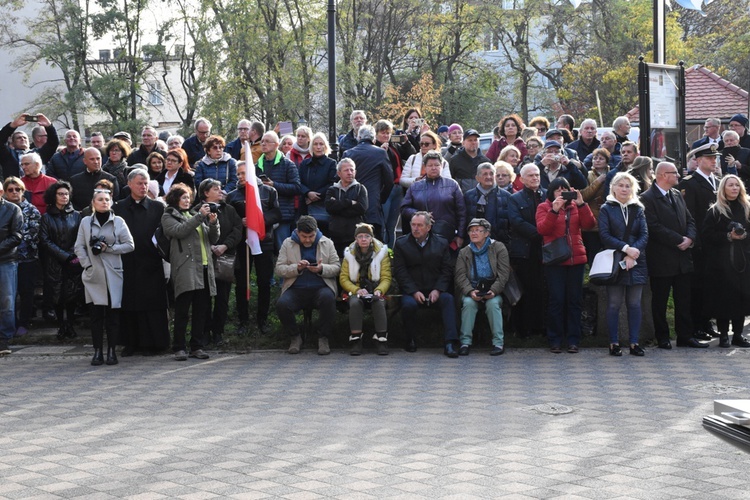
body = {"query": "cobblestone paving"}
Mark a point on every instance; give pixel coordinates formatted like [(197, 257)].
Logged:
[(270, 425)]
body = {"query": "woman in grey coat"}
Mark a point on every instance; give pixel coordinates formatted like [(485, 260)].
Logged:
[(191, 235), (102, 238)]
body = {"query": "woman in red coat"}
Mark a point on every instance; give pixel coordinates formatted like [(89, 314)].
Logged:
[(557, 218)]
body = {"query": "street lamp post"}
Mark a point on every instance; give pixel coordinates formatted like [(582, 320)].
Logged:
[(332, 136)]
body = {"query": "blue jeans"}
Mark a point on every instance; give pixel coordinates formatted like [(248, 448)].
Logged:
[(282, 232), (565, 287), (8, 284), (409, 308), (492, 308), (632, 296), (392, 211), (297, 299)]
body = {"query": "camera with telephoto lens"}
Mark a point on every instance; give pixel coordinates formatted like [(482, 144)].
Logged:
[(96, 244), (738, 228), (214, 207)]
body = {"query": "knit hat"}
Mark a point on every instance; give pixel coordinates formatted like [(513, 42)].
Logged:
[(739, 118), (363, 228), (443, 128), (455, 126)]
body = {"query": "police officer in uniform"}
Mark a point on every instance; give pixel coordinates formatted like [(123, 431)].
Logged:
[(699, 191)]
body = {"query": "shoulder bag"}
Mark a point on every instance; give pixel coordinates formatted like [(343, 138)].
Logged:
[(605, 269), (558, 250)]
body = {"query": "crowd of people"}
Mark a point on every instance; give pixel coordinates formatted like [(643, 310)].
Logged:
[(164, 223)]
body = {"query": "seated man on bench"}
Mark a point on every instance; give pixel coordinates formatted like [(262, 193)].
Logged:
[(482, 271), (423, 267), (310, 267)]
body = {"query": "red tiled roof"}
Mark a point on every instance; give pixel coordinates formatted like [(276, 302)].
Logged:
[(707, 95)]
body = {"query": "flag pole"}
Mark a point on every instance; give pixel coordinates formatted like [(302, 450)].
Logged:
[(247, 273)]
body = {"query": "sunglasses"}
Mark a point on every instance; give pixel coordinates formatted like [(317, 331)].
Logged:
[(14, 190), (426, 144)]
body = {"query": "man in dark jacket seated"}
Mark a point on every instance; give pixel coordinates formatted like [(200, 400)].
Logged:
[(487, 201), (423, 267)]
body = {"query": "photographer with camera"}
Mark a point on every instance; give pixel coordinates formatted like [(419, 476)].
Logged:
[(482, 270), (724, 236), (366, 277), (191, 235), (555, 164), (559, 221), (230, 235), (102, 238)]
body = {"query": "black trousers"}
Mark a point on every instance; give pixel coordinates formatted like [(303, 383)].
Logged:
[(683, 322), (263, 275), (530, 313), (200, 301), (101, 317)]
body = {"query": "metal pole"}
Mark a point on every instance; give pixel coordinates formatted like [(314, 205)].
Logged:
[(659, 32), (332, 133)]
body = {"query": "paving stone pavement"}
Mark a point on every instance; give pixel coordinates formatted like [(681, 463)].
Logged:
[(271, 425)]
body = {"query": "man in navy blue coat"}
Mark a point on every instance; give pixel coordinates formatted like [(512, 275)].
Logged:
[(374, 172)]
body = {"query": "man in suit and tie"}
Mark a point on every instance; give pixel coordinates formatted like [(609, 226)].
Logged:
[(699, 191), (671, 233), (712, 131)]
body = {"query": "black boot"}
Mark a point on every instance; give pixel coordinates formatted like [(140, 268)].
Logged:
[(61, 333), (724, 340), (356, 343), (381, 340), (98, 358), (70, 332), (111, 356)]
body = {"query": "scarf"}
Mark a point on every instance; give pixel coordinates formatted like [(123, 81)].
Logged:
[(482, 260), (364, 260), (301, 151)]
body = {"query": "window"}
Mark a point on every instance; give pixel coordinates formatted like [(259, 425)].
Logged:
[(154, 93)]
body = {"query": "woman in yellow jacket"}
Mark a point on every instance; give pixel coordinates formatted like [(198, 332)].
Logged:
[(366, 277)]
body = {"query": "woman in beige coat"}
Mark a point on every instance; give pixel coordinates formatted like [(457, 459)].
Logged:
[(102, 238), (191, 235)]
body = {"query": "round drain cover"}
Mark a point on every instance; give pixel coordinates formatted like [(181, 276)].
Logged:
[(553, 409)]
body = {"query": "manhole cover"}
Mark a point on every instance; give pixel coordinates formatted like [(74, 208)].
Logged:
[(714, 388), (550, 409)]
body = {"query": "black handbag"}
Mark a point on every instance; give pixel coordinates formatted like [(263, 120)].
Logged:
[(513, 290), (558, 250)]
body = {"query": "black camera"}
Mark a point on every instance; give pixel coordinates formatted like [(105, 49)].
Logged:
[(738, 228), (214, 207), (96, 244), (484, 287), (569, 195)]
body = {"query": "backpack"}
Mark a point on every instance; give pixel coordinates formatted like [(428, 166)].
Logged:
[(162, 242)]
